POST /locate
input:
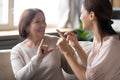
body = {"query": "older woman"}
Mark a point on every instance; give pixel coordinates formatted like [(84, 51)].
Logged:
[(36, 58)]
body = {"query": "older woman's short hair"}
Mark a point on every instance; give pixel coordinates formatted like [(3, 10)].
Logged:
[(25, 20)]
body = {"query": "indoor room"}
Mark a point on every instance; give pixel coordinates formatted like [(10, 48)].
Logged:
[(59, 14)]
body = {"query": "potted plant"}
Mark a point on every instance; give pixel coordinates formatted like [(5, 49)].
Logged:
[(83, 35)]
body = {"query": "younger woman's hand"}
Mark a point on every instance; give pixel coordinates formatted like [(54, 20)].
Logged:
[(72, 38), (43, 50), (63, 44)]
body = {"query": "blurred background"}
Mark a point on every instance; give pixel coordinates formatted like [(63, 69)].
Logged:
[(62, 14)]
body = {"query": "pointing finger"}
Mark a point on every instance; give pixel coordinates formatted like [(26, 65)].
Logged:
[(60, 34), (41, 43)]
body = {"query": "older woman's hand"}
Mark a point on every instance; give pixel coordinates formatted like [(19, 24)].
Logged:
[(43, 50)]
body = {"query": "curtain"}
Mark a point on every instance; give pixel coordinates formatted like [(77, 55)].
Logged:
[(69, 13)]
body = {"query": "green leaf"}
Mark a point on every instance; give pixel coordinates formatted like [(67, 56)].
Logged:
[(83, 35)]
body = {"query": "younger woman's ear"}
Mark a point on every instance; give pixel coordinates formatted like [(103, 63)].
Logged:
[(91, 15)]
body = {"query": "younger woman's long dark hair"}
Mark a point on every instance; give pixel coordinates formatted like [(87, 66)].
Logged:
[(103, 11)]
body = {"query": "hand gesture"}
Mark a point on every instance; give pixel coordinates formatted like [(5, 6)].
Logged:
[(72, 38), (43, 50), (63, 44)]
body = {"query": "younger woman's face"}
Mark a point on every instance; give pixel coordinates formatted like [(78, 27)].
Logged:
[(37, 26), (85, 18)]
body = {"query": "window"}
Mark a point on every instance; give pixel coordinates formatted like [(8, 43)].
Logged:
[(58, 13), (12, 10), (3, 13), (49, 7)]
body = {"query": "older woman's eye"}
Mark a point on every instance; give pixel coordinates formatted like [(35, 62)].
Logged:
[(37, 22)]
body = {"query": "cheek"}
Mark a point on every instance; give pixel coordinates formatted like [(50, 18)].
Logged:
[(85, 22), (33, 29), (83, 18), (41, 29)]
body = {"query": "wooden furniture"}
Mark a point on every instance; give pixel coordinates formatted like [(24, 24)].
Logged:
[(115, 3)]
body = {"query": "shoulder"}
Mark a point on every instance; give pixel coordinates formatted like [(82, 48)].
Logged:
[(112, 41), (16, 48), (51, 38), (111, 47)]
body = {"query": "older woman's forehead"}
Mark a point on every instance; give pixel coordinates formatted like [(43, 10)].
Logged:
[(39, 16)]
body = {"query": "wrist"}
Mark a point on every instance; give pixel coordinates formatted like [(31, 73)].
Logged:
[(76, 44), (70, 52)]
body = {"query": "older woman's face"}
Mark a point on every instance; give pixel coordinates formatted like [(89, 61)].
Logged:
[(37, 26)]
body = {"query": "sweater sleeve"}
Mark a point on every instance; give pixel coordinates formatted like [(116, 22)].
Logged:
[(21, 70)]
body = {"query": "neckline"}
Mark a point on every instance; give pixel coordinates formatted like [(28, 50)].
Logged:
[(28, 47)]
